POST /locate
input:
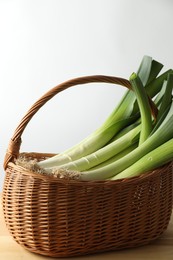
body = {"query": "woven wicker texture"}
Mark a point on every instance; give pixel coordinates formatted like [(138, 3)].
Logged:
[(62, 218)]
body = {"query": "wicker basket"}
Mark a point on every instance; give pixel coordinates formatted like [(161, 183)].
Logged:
[(62, 218)]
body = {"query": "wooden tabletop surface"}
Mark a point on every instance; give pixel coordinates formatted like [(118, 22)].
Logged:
[(161, 249)]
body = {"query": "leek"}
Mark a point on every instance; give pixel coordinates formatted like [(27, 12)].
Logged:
[(117, 156), (143, 107), (104, 153), (96, 141), (167, 98), (159, 137), (123, 115), (156, 158), (129, 142)]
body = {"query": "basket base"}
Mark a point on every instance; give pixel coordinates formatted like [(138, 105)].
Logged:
[(61, 218), (75, 252)]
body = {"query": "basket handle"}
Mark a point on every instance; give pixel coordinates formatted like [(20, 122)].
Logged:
[(15, 142)]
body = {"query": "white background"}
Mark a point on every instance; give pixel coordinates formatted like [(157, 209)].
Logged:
[(45, 42)]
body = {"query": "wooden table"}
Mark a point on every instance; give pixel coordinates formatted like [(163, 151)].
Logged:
[(162, 249)]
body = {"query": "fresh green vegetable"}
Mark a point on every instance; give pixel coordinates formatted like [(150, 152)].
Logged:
[(167, 98), (104, 153), (117, 156), (144, 107), (123, 115), (135, 138), (156, 158), (94, 142), (159, 137)]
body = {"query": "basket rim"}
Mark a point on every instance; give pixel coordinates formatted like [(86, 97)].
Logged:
[(50, 178)]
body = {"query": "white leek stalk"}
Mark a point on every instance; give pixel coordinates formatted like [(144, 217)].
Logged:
[(103, 154)]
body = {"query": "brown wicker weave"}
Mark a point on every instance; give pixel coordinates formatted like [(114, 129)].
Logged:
[(62, 218)]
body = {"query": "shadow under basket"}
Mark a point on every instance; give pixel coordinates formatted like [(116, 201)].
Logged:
[(62, 218)]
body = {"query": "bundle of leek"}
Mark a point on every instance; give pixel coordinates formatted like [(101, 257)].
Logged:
[(131, 141)]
